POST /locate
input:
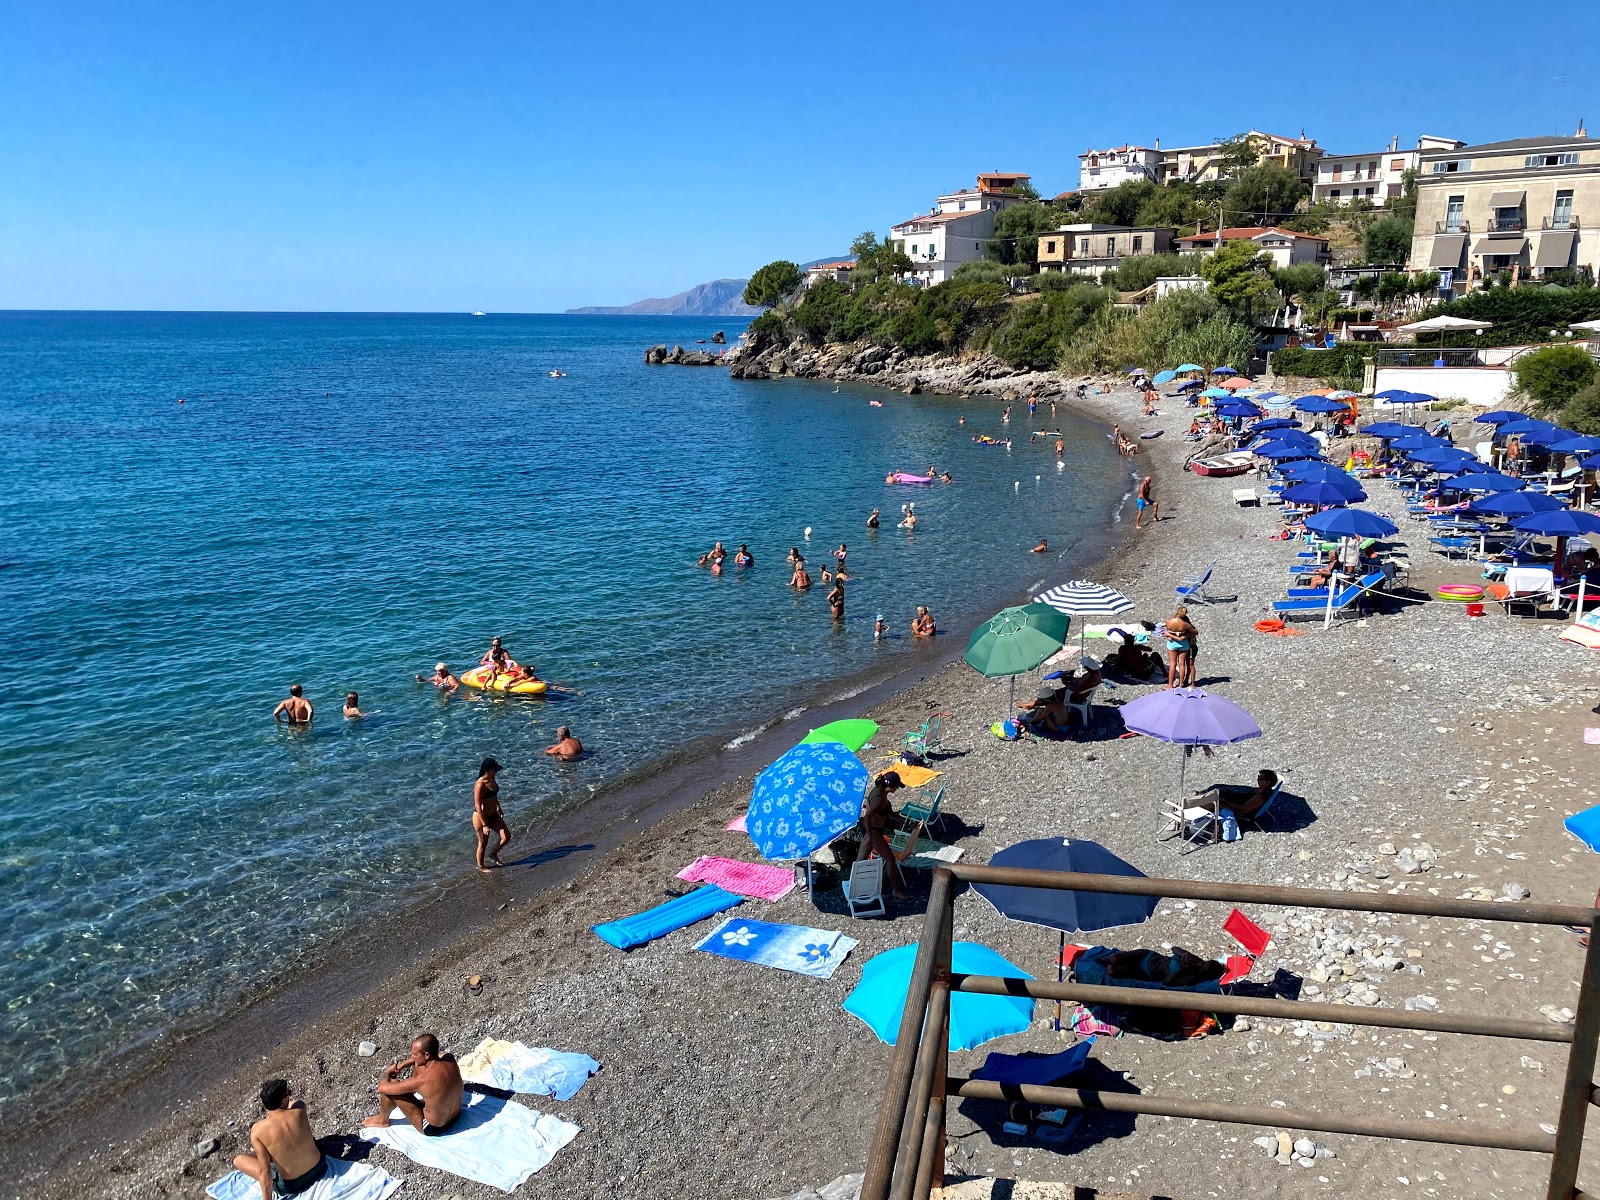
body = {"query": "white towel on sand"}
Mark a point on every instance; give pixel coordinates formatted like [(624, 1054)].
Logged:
[(497, 1142), (344, 1181)]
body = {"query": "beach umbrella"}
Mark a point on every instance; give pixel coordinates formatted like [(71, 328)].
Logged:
[(1389, 429), (1082, 598), (1238, 410), (1467, 466), (1500, 416), (1216, 393), (1417, 439), (1275, 423), (805, 799), (1351, 522), (1445, 325), (1342, 394), (1523, 425), (1164, 377), (1273, 402), (1390, 394), (1563, 522), (1486, 481), (1325, 492), (1134, 371), (1516, 504), (1015, 641), (1285, 450), (879, 999), (1439, 454), (852, 733), (1320, 471), (1189, 385), (1224, 371), (1237, 382), (1576, 445), (1549, 437), (1187, 367), (1320, 404), (1189, 717)]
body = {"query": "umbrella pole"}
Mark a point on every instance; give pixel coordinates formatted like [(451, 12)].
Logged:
[(1060, 974)]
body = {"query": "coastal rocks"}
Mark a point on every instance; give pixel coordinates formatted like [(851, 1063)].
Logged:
[(367, 1049), (719, 338), (660, 355), (206, 1148), (655, 355)]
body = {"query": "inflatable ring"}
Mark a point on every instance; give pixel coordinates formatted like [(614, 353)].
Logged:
[(1269, 625), (1460, 591)]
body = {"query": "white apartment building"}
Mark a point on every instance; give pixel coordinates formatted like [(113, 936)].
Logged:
[(1375, 177), (1099, 169), (958, 229), (1286, 246)]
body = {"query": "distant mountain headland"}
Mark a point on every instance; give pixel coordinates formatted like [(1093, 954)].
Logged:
[(720, 298)]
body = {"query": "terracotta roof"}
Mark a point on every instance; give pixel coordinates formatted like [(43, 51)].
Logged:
[(939, 218), (842, 264), (1004, 175), (1248, 231)]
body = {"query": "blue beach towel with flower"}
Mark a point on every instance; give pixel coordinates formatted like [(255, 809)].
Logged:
[(797, 948)]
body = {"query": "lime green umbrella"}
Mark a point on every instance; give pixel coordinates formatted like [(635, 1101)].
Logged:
[(1016, 640), (853, 733)]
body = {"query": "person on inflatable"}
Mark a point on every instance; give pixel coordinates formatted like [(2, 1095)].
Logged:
[(500, 663)]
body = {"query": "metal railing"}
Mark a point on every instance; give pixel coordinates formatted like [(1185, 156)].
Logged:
[(1506, 224), (1429, 356), (1452, 226), (907, 1155), (1568, 222)]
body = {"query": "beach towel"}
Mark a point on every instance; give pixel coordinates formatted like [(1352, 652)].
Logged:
[(911, 774), (813, 952), (494, 1141), (661, 920), (757, 880), (344, 1181), (535, 1071)]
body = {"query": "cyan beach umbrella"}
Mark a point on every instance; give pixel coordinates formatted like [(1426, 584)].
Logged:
[(1164, 377), (1216, 393), (851, 733), (1351, 522), (1566, 522), (880, 998), (1516, 504), (1389, 429), (1187, 367), (1190, 717), (805, 799), (1323, 492)]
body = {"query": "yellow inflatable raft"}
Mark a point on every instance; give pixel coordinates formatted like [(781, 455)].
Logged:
[(478, 677)]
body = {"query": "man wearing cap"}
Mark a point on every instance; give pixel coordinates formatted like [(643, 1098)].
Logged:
[(567, 747), (441, 678)]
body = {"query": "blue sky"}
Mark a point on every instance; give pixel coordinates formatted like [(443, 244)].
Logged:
[(534, 157)]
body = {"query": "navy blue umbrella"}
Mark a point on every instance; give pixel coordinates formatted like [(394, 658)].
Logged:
[(1320, 404), (1499, 417), (1275, 423), (1438, 455), (1523, 426), (1070, 912), (1565, 522), (1389, 429), (1285, 450), (1576, 445), (1516, 504), (1325, 492), (1467, 466), (1352, 522), (1486, 481), (1317, 470)]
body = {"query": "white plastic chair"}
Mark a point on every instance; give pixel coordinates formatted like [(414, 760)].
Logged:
[(1080, 708), (1193, 825), (863, 890)]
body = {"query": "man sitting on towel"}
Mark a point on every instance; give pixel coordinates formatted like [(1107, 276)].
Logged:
[(285, 1159), (430, 1099)]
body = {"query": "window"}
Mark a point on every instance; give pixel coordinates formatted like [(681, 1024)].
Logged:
[(1338, 171), (1049, 247), (1561, 217), (1138, 240), (1551, 160), (1371, 190), (1372, 170), (913, 247), (1111, 247), (1452, 213), (1094, 170), (1397, 164), (1452, 166), (1333, 195), (1083, 247), (962, 206)]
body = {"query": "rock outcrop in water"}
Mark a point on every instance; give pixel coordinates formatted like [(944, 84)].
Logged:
[(678, 356)]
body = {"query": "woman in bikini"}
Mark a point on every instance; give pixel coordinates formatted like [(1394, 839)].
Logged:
[(874, 823), (1183, 642), (487, 819)]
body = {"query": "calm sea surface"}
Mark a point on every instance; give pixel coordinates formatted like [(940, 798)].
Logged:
[(341, 501)]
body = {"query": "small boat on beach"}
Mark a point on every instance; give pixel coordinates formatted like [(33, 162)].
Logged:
[(1234, 462)]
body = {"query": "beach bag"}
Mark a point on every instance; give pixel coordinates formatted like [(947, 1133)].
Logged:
[(1008, 729), (1230, 826)]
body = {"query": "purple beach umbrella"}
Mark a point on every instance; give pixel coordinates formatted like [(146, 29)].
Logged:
[(1189, 717)]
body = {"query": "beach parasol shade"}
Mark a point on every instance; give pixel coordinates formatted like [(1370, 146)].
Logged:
[(1238, 381), (1284, 450), (1549, 437), (1189, 385), (1466, 466), (1238, 410), (1134, 371), (1070, 912), (1325, 492), (1082, 598), (805, 799), (1522, 425), (1576, 445), (1438, 454), (1566, 522), (1164, 377), (1275, 423), (1445, 325), (1351, 522), (1389, 429), (879, 999), (852, 733), (1224, 370), (1216, 393), (1320, 471), (1592, 463), (1016, 640), (1190, 717), (1190, 367), (1499, 417), (1516, 504), (1320, 404), (1486, 481)]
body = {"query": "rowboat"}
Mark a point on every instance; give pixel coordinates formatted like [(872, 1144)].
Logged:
[(1235, 462)]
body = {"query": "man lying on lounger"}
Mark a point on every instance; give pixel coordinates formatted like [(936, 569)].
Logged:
[(285, 1159), (430, 1099)]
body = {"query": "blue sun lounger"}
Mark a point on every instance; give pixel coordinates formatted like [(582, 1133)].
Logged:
[(1585, 826), (663, 919), (1316, 603)]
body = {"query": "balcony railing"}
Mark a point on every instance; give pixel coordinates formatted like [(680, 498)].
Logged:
[(1568, 222), (1429, 356), (1506, 224), (1452, 226)]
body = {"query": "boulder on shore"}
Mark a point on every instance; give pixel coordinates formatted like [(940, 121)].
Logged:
[(655, 355)]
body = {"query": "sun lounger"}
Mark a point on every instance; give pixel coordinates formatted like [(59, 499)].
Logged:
[(1246, 498), (917, 815), (797, 948), (1317, 605), (663, 919), (1037, 1070), (344, 1181), (863, 889), (1585, 631), (497, 1142), (1193, 589), (1533, 586)]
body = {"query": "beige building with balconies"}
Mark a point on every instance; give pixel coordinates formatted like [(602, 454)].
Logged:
[(1513, 206), (1089, 249)]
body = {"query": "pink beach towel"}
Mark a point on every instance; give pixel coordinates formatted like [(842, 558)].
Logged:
[(742, 878)]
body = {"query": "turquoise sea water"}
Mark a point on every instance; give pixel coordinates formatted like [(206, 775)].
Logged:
[(340, 501)]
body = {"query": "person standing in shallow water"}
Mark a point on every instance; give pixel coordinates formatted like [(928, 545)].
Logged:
[(836, 600), (488, 821), (296, 709), (872, 521)]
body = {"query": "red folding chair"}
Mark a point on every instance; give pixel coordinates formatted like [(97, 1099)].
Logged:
[(1253, 939)]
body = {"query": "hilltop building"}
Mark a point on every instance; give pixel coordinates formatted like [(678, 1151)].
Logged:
[(837, 271), (1376, 177), (1508, 206), (1286, 246), (959, 227), (1090, 249), (1101, 169), (1204, 164)]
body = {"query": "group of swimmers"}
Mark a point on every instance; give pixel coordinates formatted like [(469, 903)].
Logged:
[(1126, 446), (716, 556)]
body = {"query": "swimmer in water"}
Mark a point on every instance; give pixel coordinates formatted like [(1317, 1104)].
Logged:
[(961, 421), (947, 478), (488, 822), (441, 678), (795, 558), (1043, 547), (744, 558), (800, 580), (836, 600), (872, 521), (909, 521), (880, 628), (352, 708), (827, 575), (1060, 446), (296, 709)]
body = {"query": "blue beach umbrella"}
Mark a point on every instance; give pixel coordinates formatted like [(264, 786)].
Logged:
[(1500, 416), (1164, 377), (1223, 371), (1439, 455), (1323, 492), (1549, 437), (1516, 504), (1389, 394), (1190, 385), (1187, 367), (1308, 471), (1320, 404), (1486, 482), (1416, 440), (880, 998), (1216, 393), (805, 799), (1467, 466), (1592, 463), (1243, 410), (1070, 912), (1389, 429), (1523, 426), (1282, 451), (1576, 445), (1275, 423), (1351, 522), (1565, 522)]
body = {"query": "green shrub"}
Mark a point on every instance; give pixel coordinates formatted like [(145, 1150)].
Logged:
[(1582, 412), (1343, 360), (1554, 375)]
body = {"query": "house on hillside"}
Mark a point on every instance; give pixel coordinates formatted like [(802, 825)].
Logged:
[(1286, 246), (959, 227), (1513, 206), (1100, 169), (1376, 177), (1089, 249), (1204, 164), (839, 271)]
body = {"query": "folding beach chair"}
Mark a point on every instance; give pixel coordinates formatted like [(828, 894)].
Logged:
[(1253, 939), (916, 816), (927, 737), (1189, 826), (1193, 589), (863, 890), (1080, 708)]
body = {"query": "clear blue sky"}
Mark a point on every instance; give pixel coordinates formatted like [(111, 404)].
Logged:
[(535, 156)]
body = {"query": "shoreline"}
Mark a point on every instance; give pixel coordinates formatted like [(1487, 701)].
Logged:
[(173, 1074)]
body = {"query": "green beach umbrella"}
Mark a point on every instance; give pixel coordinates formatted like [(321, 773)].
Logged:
[(1016, 640), (853, 733)]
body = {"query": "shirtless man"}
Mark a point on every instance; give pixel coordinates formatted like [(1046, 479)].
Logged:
[(1042, 548), (1142, 501), (567, 747), (430, 1100), (296, 709), (717, 554), (284, 1159), (836, 600), (922, 624), (744, 558), (801, 579), (909, 521), (441, 678), (1060, 447)]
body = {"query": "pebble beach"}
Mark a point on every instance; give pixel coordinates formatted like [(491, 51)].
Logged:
[(1422, 752)]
